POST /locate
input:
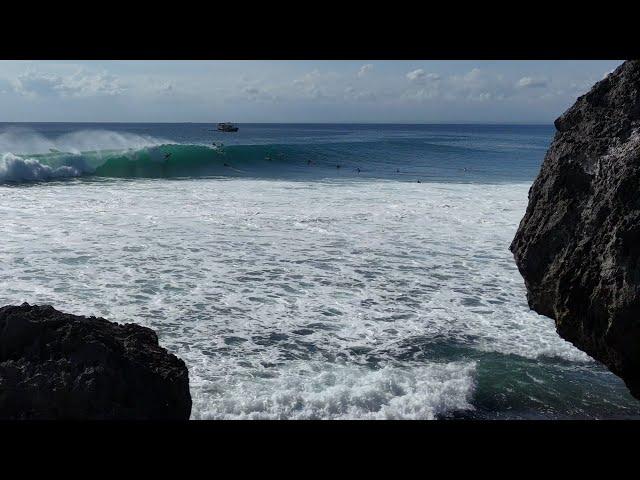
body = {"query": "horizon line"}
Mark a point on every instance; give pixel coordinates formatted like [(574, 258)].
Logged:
[(300, 123)]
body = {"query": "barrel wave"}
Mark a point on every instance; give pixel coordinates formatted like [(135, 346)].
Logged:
[(27, 157), (173, 161)]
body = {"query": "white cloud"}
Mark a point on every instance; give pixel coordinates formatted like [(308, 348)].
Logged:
[(309, 80), (479, 85), (319, 85), (364, 69), (530, 82), (5, 85), (420, 76), (258, 93), (312, 91), (354, 95), (416, 75), (80, 84)]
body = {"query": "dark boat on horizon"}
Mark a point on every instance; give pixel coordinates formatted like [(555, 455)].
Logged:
[(227, 127)]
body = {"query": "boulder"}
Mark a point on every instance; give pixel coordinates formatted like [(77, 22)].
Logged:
[(578, 245), (55, 365)]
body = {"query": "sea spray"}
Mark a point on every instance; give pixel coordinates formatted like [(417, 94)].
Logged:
[(20, 140), (17, 169)]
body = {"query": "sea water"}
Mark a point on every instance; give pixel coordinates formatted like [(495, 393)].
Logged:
[(302, 271)]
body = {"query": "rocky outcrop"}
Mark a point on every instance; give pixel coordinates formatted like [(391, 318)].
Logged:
[(578, 245), (59, 366)]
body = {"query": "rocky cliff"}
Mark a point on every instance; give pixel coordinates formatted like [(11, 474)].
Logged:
[(59, 366), (578, 245)]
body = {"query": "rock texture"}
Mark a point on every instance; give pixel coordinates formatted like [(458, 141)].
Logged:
[(578, 245), (59, 366)]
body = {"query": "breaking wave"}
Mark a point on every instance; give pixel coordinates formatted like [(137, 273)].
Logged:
[(161, 161), (27, 156)]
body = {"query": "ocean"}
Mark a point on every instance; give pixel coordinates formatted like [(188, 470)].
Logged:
[(302, 271)]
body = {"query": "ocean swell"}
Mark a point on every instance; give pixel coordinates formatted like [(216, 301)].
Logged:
[(164, 161), (17, 169), (27, 156)]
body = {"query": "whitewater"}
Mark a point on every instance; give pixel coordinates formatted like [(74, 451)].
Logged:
[(294, 289)]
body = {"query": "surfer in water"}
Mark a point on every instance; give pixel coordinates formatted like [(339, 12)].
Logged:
[(358, 170), (167, 155)]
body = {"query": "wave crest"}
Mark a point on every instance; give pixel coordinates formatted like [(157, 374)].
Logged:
[(17, 169), (158, 161), (24, 141)]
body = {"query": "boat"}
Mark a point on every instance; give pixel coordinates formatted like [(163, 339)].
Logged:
[(227, 127)]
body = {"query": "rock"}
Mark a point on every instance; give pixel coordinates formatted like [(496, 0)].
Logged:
[(578, 245), (59, 366)]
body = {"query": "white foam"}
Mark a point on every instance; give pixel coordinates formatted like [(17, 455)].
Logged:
[(265, 287), (17, 169), (313, 390)]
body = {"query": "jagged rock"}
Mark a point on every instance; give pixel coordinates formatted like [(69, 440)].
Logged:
[(59, 366), (578, 245)]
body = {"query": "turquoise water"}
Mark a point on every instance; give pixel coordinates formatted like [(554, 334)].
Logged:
[(464, 153)]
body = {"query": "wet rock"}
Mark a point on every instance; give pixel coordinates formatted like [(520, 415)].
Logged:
[(578, 245), (60, 366)]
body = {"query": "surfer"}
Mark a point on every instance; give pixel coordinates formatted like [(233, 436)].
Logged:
[(338, 166), (358, 170), (218, 148), (397, 170), (167, 155)]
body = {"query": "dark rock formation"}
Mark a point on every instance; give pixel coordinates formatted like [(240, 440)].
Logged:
[(59, 366), (578, 245)]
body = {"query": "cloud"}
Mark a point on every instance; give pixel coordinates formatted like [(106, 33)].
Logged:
[(479, 85), (420, 76), (80, 84), (318, 85), (416, 75), (309, 80), (256, 93), (476, 85), (364, 69), (354, 95), (530, 82), (5, 86)]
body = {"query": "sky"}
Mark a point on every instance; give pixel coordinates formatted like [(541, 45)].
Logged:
[(360, 91)]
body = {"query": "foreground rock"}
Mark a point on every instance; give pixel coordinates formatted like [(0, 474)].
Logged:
[(578, 245), (59, 366)]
